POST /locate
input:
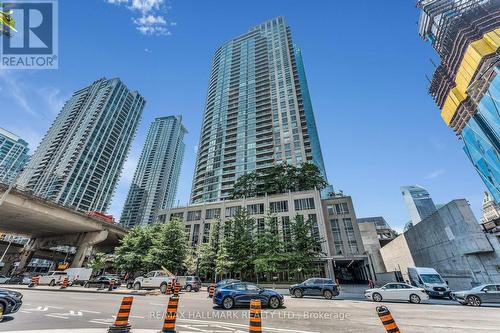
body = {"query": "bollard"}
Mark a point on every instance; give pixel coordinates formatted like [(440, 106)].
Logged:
[(121, 324), (65, 283), (386, 318), (170, 315), (35, 281), (255, 316), (211, 290), (169, 288), (177, 289)]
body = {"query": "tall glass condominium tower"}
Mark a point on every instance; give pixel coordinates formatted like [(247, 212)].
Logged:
[(155, 180), (258, 111), (13, 155), (80, 159), (466, 84), (419, 202)]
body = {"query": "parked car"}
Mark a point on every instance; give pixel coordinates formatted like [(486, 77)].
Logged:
[(52, 278), (102, 282), (315, 287), (485, 293), (189, 283), (397, 292), (241, 293), (152, 280), (10, 301), (19, 279), (430, 280), (222, 282), (3, 279)]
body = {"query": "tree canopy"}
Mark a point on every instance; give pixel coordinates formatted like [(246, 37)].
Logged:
[(278, 179)]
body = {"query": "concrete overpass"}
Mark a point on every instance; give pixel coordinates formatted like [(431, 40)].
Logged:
[(49, 224)]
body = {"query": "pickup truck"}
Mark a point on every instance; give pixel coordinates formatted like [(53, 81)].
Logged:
[(52, 278), (153, 280)]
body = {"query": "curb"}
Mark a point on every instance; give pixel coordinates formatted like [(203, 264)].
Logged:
[(89, 291)]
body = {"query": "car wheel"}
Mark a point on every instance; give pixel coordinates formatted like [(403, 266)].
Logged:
[(274, 302), (227, 303), (163, 288), (298, 293), (129, 285), (414, 299), (86, 285), (52, 283), (473, 300), (196, 290), (188, 288), (137, 286), (327, 294), (376, 297), (2, 310)]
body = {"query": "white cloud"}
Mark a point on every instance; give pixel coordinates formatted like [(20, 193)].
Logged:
[(152, 20), (435, 174)]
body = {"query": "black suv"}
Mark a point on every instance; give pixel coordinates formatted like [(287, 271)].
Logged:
[(315, 287), (10, 301)]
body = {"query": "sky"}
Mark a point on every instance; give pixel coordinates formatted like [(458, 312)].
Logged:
[(365, 63)]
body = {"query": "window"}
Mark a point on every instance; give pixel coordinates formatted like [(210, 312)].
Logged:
[(285, 226), (177, 216), (239, 286), (342, 208), (278, 206), (194, 215), (351, 238), (255, 209), (330, 209), (303, 204), (188, 232), (337, 238), (252, 287), (196, 234), (212, 213), (260, 226), (231, 211), (206, 232)]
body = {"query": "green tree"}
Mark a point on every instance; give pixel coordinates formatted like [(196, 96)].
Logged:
[(240, 242), (269, 256), (169, 247), (279, 178), (189, 263), (133, 249), (305, 244), (223, 263), (97, 263), (207, 252)]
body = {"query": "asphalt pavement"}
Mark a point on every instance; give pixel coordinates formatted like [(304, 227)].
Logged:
[(59, 311)]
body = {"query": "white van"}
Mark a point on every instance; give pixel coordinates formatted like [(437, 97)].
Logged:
[(429, 279)]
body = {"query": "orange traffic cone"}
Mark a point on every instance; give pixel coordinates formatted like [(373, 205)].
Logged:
[(170, 315), (65, 283), (386, 318), (255, 316), (121, 324)]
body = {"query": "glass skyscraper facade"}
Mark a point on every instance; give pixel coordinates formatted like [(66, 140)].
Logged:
[(80, 159), (465, 85), (258, 111), (155, 180), (13, 155), (419, 202)]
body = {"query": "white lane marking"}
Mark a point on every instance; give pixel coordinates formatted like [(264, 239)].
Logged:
[(56, 316), (140, 317), (88, 311), (158, 304), (43, 308), (243, 326)]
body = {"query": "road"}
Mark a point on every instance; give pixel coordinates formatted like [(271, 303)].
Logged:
[(70, 310)]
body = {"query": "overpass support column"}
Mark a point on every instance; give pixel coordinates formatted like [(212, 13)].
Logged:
[(27, 253), (85, 244)]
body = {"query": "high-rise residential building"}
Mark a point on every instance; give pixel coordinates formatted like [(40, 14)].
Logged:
[(155, 179), (419, 203), (13, 155), (491, 213), (466, 84), (80, 159), (258, 111)]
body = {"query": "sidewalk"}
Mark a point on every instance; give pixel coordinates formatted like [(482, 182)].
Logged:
[(118, 291)]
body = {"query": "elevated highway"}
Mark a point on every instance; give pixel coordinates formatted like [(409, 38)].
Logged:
[(49, 224)]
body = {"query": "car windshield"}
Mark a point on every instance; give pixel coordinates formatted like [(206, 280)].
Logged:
[(431, 278)]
